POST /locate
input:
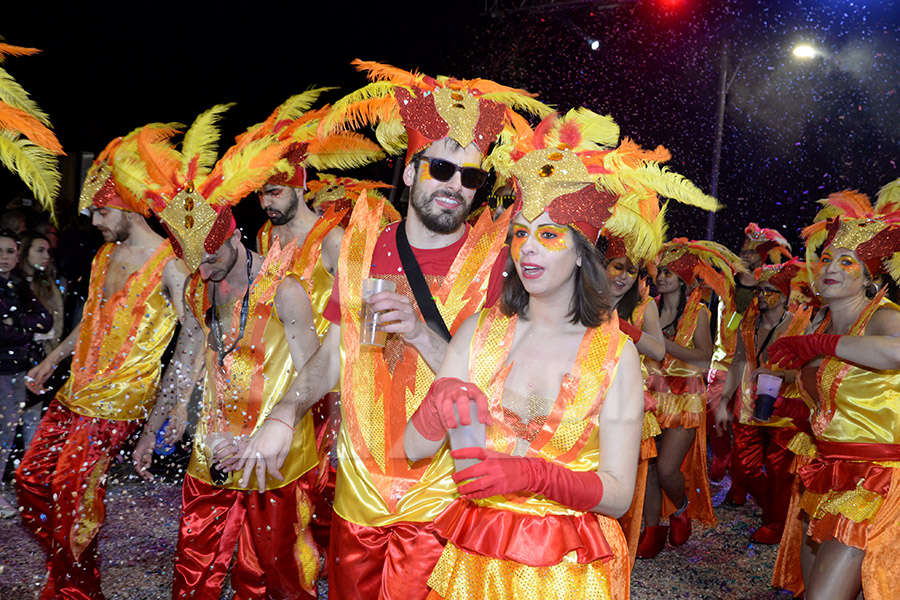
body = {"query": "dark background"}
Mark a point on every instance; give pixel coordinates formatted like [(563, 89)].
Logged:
[(794, 131)]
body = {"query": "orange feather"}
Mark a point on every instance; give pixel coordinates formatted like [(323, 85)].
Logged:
[(17, 120)]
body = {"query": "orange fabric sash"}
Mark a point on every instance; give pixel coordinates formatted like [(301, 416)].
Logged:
[(838, 467), (512, 536)]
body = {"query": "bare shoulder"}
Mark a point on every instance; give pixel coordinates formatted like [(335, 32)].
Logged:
[(331, 249), (885, 321), (290, 298)]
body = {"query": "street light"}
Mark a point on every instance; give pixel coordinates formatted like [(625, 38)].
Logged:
[(726, 78)]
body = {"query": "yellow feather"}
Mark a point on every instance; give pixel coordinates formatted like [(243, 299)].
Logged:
[(365, 106), (391, 134), (519, 101), (672, 185), (36, 167), (13, 94), (888, 199), (201, 140), (295, 106), (343, 151)]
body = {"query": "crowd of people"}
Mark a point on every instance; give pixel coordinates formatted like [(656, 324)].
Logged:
[(550, 374)]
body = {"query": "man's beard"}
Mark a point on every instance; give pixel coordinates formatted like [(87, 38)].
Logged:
[(435, 218), (281, 218), (119, 232), (227, 267)]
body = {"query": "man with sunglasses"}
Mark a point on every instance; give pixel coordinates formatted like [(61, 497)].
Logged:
[(382, 540), (761, 462)]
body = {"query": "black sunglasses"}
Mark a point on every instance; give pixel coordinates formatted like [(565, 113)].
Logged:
[(443, 170)]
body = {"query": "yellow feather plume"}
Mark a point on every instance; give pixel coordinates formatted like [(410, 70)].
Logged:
[(201, 140), (37, 168), (671, 185), (888, 199), (346, 150), (13, 94)]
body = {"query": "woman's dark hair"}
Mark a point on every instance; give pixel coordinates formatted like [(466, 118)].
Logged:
[(43, 282), (9, 233), (590, 302), (682, 302), (630, 300)]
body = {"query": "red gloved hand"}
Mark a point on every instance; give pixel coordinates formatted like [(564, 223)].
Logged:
[(630, 330), (435, 415), (794, 351), (794, 408), (499, 473)]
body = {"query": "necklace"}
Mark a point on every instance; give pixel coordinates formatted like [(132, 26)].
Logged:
[(245, 309)]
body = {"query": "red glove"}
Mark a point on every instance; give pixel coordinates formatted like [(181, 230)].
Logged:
[(499, 473), (630, 330), (435, 415), (794, 408), (794, 351)]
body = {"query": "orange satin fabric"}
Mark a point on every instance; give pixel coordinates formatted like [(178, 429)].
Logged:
[(116, 361)]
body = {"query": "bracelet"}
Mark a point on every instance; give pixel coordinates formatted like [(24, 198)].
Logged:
[(285, 423)]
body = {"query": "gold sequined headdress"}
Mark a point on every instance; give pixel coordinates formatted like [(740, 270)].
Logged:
[(27, 146), (715, 264), (189, 190), (768, 243), (330, 192), (572, 167), (412, 111), (792, 278), (848, 220)]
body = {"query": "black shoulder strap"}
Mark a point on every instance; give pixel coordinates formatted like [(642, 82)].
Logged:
[(418, 285)]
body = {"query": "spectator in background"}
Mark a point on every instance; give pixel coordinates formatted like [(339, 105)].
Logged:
[(21, 316)]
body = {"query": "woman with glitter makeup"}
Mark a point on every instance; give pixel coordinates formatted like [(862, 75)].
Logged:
[(849, 503), (557, 385), (676, 487)]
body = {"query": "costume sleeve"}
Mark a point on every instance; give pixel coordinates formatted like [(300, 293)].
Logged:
[(332, 310)]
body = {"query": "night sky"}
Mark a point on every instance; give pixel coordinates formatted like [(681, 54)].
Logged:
[(794, 131)]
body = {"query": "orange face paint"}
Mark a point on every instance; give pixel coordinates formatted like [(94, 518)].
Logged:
[(615, 269), (551, 237), (520, 234), (847, 263)]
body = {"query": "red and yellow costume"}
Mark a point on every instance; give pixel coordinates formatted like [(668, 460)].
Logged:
[(276, 554), (382, 540), (521, 544), (680, 393), (61, 481)]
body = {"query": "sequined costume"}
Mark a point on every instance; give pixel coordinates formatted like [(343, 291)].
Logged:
[(761, 457), (276, 554), (631, 521), (679, 390), (61, 481), (382, 544), (522, 545), (851, 487)]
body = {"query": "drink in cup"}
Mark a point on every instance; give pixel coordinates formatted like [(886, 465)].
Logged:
[(370, 324), (767, 389)]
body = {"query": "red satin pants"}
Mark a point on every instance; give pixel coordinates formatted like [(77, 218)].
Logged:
[(274, 545), (381, 563), (61, 484), (761, 465)]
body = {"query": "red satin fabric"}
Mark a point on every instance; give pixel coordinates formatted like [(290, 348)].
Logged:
[(383, 563), (264, 527), (838, 467), (61, 484), (761, 464), (327, 422), (511, 536)]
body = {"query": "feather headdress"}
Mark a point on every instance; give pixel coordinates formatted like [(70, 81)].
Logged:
[(792, 278), (27, 146), (768, 243), (189, 190), (848, 220), (411, 110), (330, 192), (310, 145), (715, 264), (574, 168)]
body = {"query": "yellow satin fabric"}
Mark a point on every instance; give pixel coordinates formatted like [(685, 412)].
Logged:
[(866, 405), (116, 362)]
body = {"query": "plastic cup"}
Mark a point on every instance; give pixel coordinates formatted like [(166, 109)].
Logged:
[(467, 436), (370, 332), (767, 389)]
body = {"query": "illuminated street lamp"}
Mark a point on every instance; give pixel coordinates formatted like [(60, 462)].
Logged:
[(804, 52)]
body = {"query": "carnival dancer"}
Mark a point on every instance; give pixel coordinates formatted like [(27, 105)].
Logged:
[(317, 240), (559, 387), (760, 246), (382, 539), (763, 457), (677, 484), (849, 374), (258, 323), (134, 300)]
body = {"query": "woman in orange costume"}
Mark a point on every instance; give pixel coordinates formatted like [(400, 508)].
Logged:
[(559, 388), (676, 487), (849, 377), (639, 319)]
